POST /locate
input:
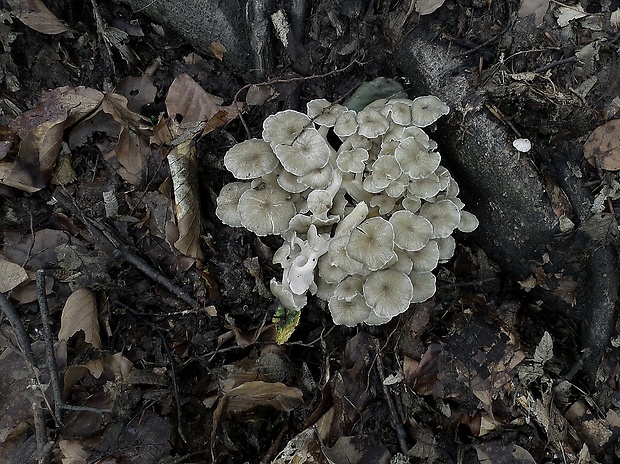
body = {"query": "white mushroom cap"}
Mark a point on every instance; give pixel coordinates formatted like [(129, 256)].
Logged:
[(319, 203), (290, 182), (346, 124), (287, 298), (447, 246), (411, 232), (398, 186), (427, 187), (371, 123), (373, 319), (250, 159), (423, 286), (323, 112), (284, 127), (415, 159), (266, 211), (426, 110), (353, 160), (305, 153), (444, 215), (349, 288), (412, 203), (468, 222), (403, 263), (335, 265), (384, 202), (400, 111), (388, 292), (427, 258), (227, 202), (384, 170), (349, 313), (372, 243), (318, 178)]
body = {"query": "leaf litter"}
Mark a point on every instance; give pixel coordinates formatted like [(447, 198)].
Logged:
[(454, 369)]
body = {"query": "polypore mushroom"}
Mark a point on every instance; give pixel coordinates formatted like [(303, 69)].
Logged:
[(250, 159), (266, 210), (372, 243), (426, 110), (388, 292)]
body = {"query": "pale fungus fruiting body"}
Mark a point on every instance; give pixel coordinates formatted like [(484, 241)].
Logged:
[(358, 195)]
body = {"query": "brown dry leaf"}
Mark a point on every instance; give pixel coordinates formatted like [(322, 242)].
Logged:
[(138, 90), (359, 449), (603, 146), (187, 99), (497, 452), (565, 289), (182, 163), (74, 452), (538, 8), (80, 313), (132, 148), (35, 15), (11, 275), (41, 132)]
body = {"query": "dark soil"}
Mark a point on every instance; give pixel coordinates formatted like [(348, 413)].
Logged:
[(482, 372)]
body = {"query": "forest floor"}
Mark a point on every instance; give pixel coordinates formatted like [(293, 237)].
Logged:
[(161, 342)]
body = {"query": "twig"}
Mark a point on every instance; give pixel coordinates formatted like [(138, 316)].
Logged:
[(570, 59), (286, 81), (43, 446), (396, 421), (50, 356), (18, 328)]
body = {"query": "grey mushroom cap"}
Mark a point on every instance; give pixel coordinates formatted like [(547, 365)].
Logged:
[(426, 110), (444, 215), (227, 202), (423, 286), (266, 211), (372, 243), (284, 127), (415, 159), (250, 159), (388, 292), (305, 153), (371, 123), (411, 232), (349, 313)]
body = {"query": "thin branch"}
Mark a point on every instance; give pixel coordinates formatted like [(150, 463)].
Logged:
[(50, 355)]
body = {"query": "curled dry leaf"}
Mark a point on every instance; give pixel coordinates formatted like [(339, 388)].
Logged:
[(425, 7), (80, 313), (35, 15), (11, 275), (603, 146)]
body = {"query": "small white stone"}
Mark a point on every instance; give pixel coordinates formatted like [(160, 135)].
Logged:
[(522, 145)]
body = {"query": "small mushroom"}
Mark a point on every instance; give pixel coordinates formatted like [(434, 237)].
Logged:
[(400, 111), (388, 292), (346, 124), (303, 154), (427, 258), (411, 232), (349, 313), (250, 159), (352, 160), (372, 243), (284, 127), (371, 123), (444, 215), (415, 159), (349, 288), (323, 112), (383, 171), (287, 298), (447, 246), (423, 286), (227, 202), (265, 211), (426, 187), (426, 110), (468, 222), (335, 265)]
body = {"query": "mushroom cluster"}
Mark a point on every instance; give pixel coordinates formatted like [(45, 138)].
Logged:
[(359, 197)]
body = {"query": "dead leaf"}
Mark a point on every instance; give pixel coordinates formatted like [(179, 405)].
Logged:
[(11, 275), (359, 449), (544, 349), (187, 99), (603, 146), (498, 452), (132, 149), (182, 163), (41, 130), (80, 313), (35, 15), (425, 7), (538, 8), (218, 50), (567, 13), (138, 90)]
